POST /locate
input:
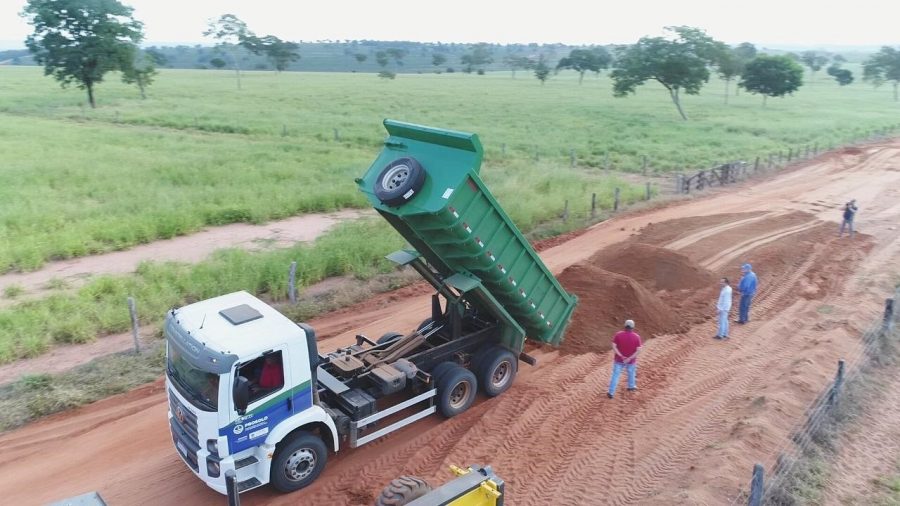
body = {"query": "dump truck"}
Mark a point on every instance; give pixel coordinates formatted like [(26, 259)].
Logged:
[(249, 391)]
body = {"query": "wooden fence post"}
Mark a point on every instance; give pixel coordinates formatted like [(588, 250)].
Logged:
[(756, 486), (565, 214), (838, 382), (134, 324), (503, 149), (292, 283), (647, 193), (571, 157), (337, 134), (616, 201), (593, 205), (756, 165)]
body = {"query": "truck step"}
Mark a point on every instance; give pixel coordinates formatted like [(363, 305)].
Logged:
[(248, 484), (247, 461)]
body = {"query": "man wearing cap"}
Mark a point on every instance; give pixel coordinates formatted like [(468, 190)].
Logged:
[(849, 213), (626, 345), (747, 287)]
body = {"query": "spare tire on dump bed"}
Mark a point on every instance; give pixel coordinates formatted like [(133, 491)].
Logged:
[(399, 182)]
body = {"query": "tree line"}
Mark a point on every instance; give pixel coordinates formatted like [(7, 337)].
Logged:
[(80, 41)]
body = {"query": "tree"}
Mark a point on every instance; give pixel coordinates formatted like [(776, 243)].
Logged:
[(361, 57), (745, 52), (478, 56), (772, 76), (141, 72), (381, 58), (584, 60), (231, 33), (814, 60), (883, 66), (79, 42), (397, 55), (515, 62), (541, 70), (842, 76), (280, 52), (728, 65), (437, 59), (218, 63), (679, 64)]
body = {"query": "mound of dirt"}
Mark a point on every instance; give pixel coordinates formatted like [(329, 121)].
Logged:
[(605, 300), (654, 267)]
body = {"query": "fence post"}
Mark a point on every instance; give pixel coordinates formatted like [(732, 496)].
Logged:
[(838, 381), (770, 161), (756, 486), (292, 282), (616, 201), (756, 165), (606, 161), (337, 134), (565, 214), (503, 149), (647, 193), (134, 324), (790, 154), (593, 205), (888, 323), (284, 130), (571, 157), (234, 499), (678, 184)]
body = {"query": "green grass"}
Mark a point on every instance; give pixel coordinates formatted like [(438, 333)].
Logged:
[(199, 152)]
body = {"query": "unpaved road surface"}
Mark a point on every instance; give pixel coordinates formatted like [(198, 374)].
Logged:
[(705, 410)]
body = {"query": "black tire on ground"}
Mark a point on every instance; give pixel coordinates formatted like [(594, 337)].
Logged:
[(440, 370), (399, 182), (298, 462), (389, 336), (456, 391), (403, 490), (497, 371)]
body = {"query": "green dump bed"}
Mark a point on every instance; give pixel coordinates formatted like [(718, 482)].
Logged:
[(425, 183)]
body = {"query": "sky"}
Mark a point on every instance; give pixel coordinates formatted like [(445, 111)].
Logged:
[(766, 23)]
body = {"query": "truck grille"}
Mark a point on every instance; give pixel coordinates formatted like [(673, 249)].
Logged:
[(184, 432)]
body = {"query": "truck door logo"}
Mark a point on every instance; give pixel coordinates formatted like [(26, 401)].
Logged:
[(238, 429)]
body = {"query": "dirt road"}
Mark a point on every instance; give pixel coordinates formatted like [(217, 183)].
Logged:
[(705, 410)]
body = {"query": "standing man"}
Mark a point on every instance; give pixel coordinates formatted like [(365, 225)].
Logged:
[(747, 287), (849, 213), (626, 345), (723, 306)]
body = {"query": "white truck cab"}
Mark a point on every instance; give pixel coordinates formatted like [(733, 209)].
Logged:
[(239, 380)]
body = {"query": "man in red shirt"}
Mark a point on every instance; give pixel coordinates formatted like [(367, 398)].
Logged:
[(626, 345), (272, 375)]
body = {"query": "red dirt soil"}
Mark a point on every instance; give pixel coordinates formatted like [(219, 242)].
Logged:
[(704, 413)]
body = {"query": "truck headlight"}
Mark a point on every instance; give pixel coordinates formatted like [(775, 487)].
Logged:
[(212, 446), (212, 468)]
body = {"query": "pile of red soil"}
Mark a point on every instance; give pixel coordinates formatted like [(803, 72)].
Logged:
[(605, 301), (654, 267)]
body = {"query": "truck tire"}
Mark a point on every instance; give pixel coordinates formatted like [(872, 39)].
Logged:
[(298, 462), (456, 391), (497, 371), (399, 182), (403, 490), (440, 370), (426, 322), (390, 336)]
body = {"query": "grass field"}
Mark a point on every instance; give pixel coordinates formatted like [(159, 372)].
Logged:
[(199, 152)]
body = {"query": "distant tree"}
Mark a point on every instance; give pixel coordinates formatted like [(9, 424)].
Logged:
[(745, 52), (218, 63), (361, 57), (279, 52), (583, 60), (478, 56), (381, 57), (231, 33), (159, 59), (437, 59), (679, 64), (79, 41), (397, 55), (814, 60), (883, 66), (842, 76), (141, 72), (729, 66), (387, 74), (603, 56), (516, 62), (772, 76), (541, 70)]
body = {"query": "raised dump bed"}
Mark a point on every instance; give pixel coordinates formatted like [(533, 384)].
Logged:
[(425, 183)]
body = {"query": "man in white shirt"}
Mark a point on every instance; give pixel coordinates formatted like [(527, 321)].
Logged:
[(724, 307)]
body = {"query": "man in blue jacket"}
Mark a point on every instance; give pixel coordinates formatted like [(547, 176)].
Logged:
[(747, 287)]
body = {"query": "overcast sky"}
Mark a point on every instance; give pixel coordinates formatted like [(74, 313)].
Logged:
[(766, 23)]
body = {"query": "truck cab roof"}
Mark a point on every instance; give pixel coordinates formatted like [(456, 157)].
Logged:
[(237, 324)]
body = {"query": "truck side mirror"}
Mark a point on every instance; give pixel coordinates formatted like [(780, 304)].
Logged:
[(241, 394)]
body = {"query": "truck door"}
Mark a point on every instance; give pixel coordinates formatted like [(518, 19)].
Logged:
[(270, 400)]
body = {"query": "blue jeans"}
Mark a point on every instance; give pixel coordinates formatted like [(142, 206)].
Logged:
[(723, 324), (744, 314), (847, 223), (617, 371)]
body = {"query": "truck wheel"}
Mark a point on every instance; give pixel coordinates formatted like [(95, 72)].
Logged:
[(456, 391), (299, 462), (399, 182), (388, 337), (403, 490), (497, 371), (426, 322), (440, 370)]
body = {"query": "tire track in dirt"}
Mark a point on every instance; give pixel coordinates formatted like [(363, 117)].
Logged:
[(709, 232)]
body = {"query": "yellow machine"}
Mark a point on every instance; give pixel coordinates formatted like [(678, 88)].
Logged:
[(475, 486)]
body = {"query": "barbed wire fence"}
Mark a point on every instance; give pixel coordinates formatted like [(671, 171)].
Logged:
[(783, 463)]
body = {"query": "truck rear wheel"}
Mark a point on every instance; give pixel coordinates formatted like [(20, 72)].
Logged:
[(456, 391), (388, 337), (299, 462), (497, 371), (403, 490)]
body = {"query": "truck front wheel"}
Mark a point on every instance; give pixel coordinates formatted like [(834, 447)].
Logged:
[(299, 462), (456, 391)]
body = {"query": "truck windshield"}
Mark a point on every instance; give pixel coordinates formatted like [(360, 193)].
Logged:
[(200, 386)]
